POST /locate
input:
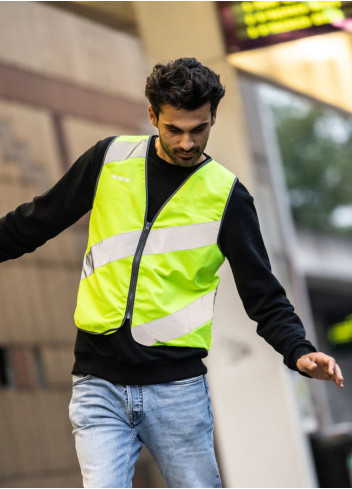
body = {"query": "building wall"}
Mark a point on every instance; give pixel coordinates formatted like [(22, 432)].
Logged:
[(65, 83)]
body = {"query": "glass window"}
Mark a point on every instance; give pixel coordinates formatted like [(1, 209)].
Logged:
[(315, 143)]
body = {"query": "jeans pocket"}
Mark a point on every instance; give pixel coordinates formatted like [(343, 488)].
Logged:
[(191, 380), (79, 379)]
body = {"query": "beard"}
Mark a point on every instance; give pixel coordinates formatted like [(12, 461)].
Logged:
[(180, 157)]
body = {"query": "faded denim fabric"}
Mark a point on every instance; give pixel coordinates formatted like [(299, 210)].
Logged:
[(111, 422)]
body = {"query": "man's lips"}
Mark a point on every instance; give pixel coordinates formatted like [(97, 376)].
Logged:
[(187, 156)]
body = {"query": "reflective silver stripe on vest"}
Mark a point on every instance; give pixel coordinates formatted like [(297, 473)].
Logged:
[(178, 238), (162, 240), (122, 150), (110, 249), (177, 324)]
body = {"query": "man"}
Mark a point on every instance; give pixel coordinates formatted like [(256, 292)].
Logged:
[(164, 217)]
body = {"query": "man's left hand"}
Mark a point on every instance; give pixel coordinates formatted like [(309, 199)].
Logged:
[(320, 366)]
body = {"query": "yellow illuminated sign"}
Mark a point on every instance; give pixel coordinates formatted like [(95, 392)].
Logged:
[(248, 25)]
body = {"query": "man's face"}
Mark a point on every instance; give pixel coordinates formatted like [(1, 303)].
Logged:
[(183, 134)]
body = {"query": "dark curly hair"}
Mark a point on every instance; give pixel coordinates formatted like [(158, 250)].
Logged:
[(185, 84)]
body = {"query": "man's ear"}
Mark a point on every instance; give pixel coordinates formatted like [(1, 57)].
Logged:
[(213, 117), (152, 117)]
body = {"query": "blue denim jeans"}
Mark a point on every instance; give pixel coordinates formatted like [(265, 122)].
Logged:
[(111, 422)]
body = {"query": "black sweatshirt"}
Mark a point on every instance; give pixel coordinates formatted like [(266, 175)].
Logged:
[(117, 357)]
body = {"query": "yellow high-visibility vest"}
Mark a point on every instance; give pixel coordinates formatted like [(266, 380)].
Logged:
[(160, 275)]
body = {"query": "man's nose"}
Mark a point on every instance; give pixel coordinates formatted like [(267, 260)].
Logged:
[(187, 142)]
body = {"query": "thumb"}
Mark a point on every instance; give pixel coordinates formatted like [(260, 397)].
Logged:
[(311, 364), (308, 363)]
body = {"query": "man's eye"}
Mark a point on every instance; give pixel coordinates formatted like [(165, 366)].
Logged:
[(198, 129)]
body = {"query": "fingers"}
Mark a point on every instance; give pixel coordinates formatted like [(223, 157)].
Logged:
[(338, 378), (334, 371), (330, 362), (338, 372)]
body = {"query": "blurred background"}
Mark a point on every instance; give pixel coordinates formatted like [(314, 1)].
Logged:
[(72, 73)]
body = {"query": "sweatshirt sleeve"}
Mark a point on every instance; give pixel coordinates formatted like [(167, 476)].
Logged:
[(33, 223), (263, 297)]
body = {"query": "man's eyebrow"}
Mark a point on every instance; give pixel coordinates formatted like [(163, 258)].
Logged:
[(203, 124), (171, 126)]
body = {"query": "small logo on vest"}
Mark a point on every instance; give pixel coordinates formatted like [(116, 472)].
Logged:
[(121, 179)]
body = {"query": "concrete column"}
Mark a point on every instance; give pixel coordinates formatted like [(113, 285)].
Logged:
[(257, 431)]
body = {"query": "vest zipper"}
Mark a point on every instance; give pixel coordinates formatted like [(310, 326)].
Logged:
[(135, 268)]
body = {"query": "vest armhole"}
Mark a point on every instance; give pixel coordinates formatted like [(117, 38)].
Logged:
[(223, 215), (101, 168)]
